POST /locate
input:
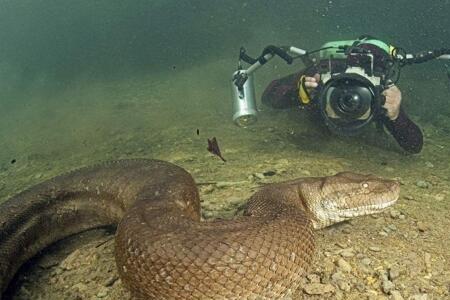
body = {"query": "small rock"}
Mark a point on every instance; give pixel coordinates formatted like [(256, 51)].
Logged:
[(344, 285), (395, 214), (313, 278), (422, 184), (439, 197), (374, 249), (208, 189), (235, 201), (81, 287), (206, 214), (387, 286), (371, 280), (57, 271), (331, 171), (346, 230), (102, 294), (344, 265), (393, 273), (427, 258), (110, 281), (341, 245), (259, 175), (281, 170), (306, 172), (421, 226), (366, 261), (389, 169), (318, 288), (419, 297), (396, 295), (429, 164), (360, 287), (409, 197), (337, 276), (347, 252), (392, 227)]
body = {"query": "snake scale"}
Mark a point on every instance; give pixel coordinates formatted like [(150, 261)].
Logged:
[(163, 250)]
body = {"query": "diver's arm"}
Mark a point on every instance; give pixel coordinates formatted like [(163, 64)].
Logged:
[(407, 134), (282, 93)]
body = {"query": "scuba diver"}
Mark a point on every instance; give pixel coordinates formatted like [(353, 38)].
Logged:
[(284, 93), (350, 85)]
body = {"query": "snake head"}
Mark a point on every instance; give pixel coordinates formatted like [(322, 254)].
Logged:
[(347, 195)]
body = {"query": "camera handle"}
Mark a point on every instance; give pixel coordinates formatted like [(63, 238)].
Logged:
[(380, 112)]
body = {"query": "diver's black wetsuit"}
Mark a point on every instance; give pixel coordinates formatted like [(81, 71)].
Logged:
[(283, 93)]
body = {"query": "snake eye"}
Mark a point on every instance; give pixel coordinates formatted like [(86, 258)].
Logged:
[(365, 185)]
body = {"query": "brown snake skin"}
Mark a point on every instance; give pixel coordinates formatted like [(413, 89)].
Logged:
[(163, 251)]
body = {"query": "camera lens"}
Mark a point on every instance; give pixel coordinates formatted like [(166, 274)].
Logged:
[(347, 103), (350, 102)]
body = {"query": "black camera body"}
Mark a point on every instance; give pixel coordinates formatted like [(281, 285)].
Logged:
[(350, 96)]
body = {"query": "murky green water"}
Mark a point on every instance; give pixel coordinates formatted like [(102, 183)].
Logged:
[(87, 81)]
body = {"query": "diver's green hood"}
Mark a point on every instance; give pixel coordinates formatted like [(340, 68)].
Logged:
[(334, 49)]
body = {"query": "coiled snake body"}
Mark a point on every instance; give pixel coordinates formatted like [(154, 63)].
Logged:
[(163, 251)]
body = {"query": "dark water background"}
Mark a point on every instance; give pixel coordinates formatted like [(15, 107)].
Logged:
[(65, 39), (68, 67)]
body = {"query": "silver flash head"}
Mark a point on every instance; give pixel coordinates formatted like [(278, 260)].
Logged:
[(244, 103)]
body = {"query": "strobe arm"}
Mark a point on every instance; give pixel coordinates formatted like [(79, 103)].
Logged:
[(424, 56), (267, 54)]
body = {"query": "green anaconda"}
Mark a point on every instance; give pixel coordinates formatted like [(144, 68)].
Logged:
[(163, 250)]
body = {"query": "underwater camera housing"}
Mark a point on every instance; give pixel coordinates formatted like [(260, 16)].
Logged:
[(350, 95)]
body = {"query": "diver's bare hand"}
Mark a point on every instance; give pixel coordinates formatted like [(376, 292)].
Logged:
[(312, 82), (393, 98)]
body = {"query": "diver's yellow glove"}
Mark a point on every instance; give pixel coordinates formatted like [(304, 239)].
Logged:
[(304, 95)]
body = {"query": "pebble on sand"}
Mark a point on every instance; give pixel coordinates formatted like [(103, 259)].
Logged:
[(318, 288)]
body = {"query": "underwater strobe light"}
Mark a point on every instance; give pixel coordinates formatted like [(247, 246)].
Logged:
[(244, 104), (243, 90)]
